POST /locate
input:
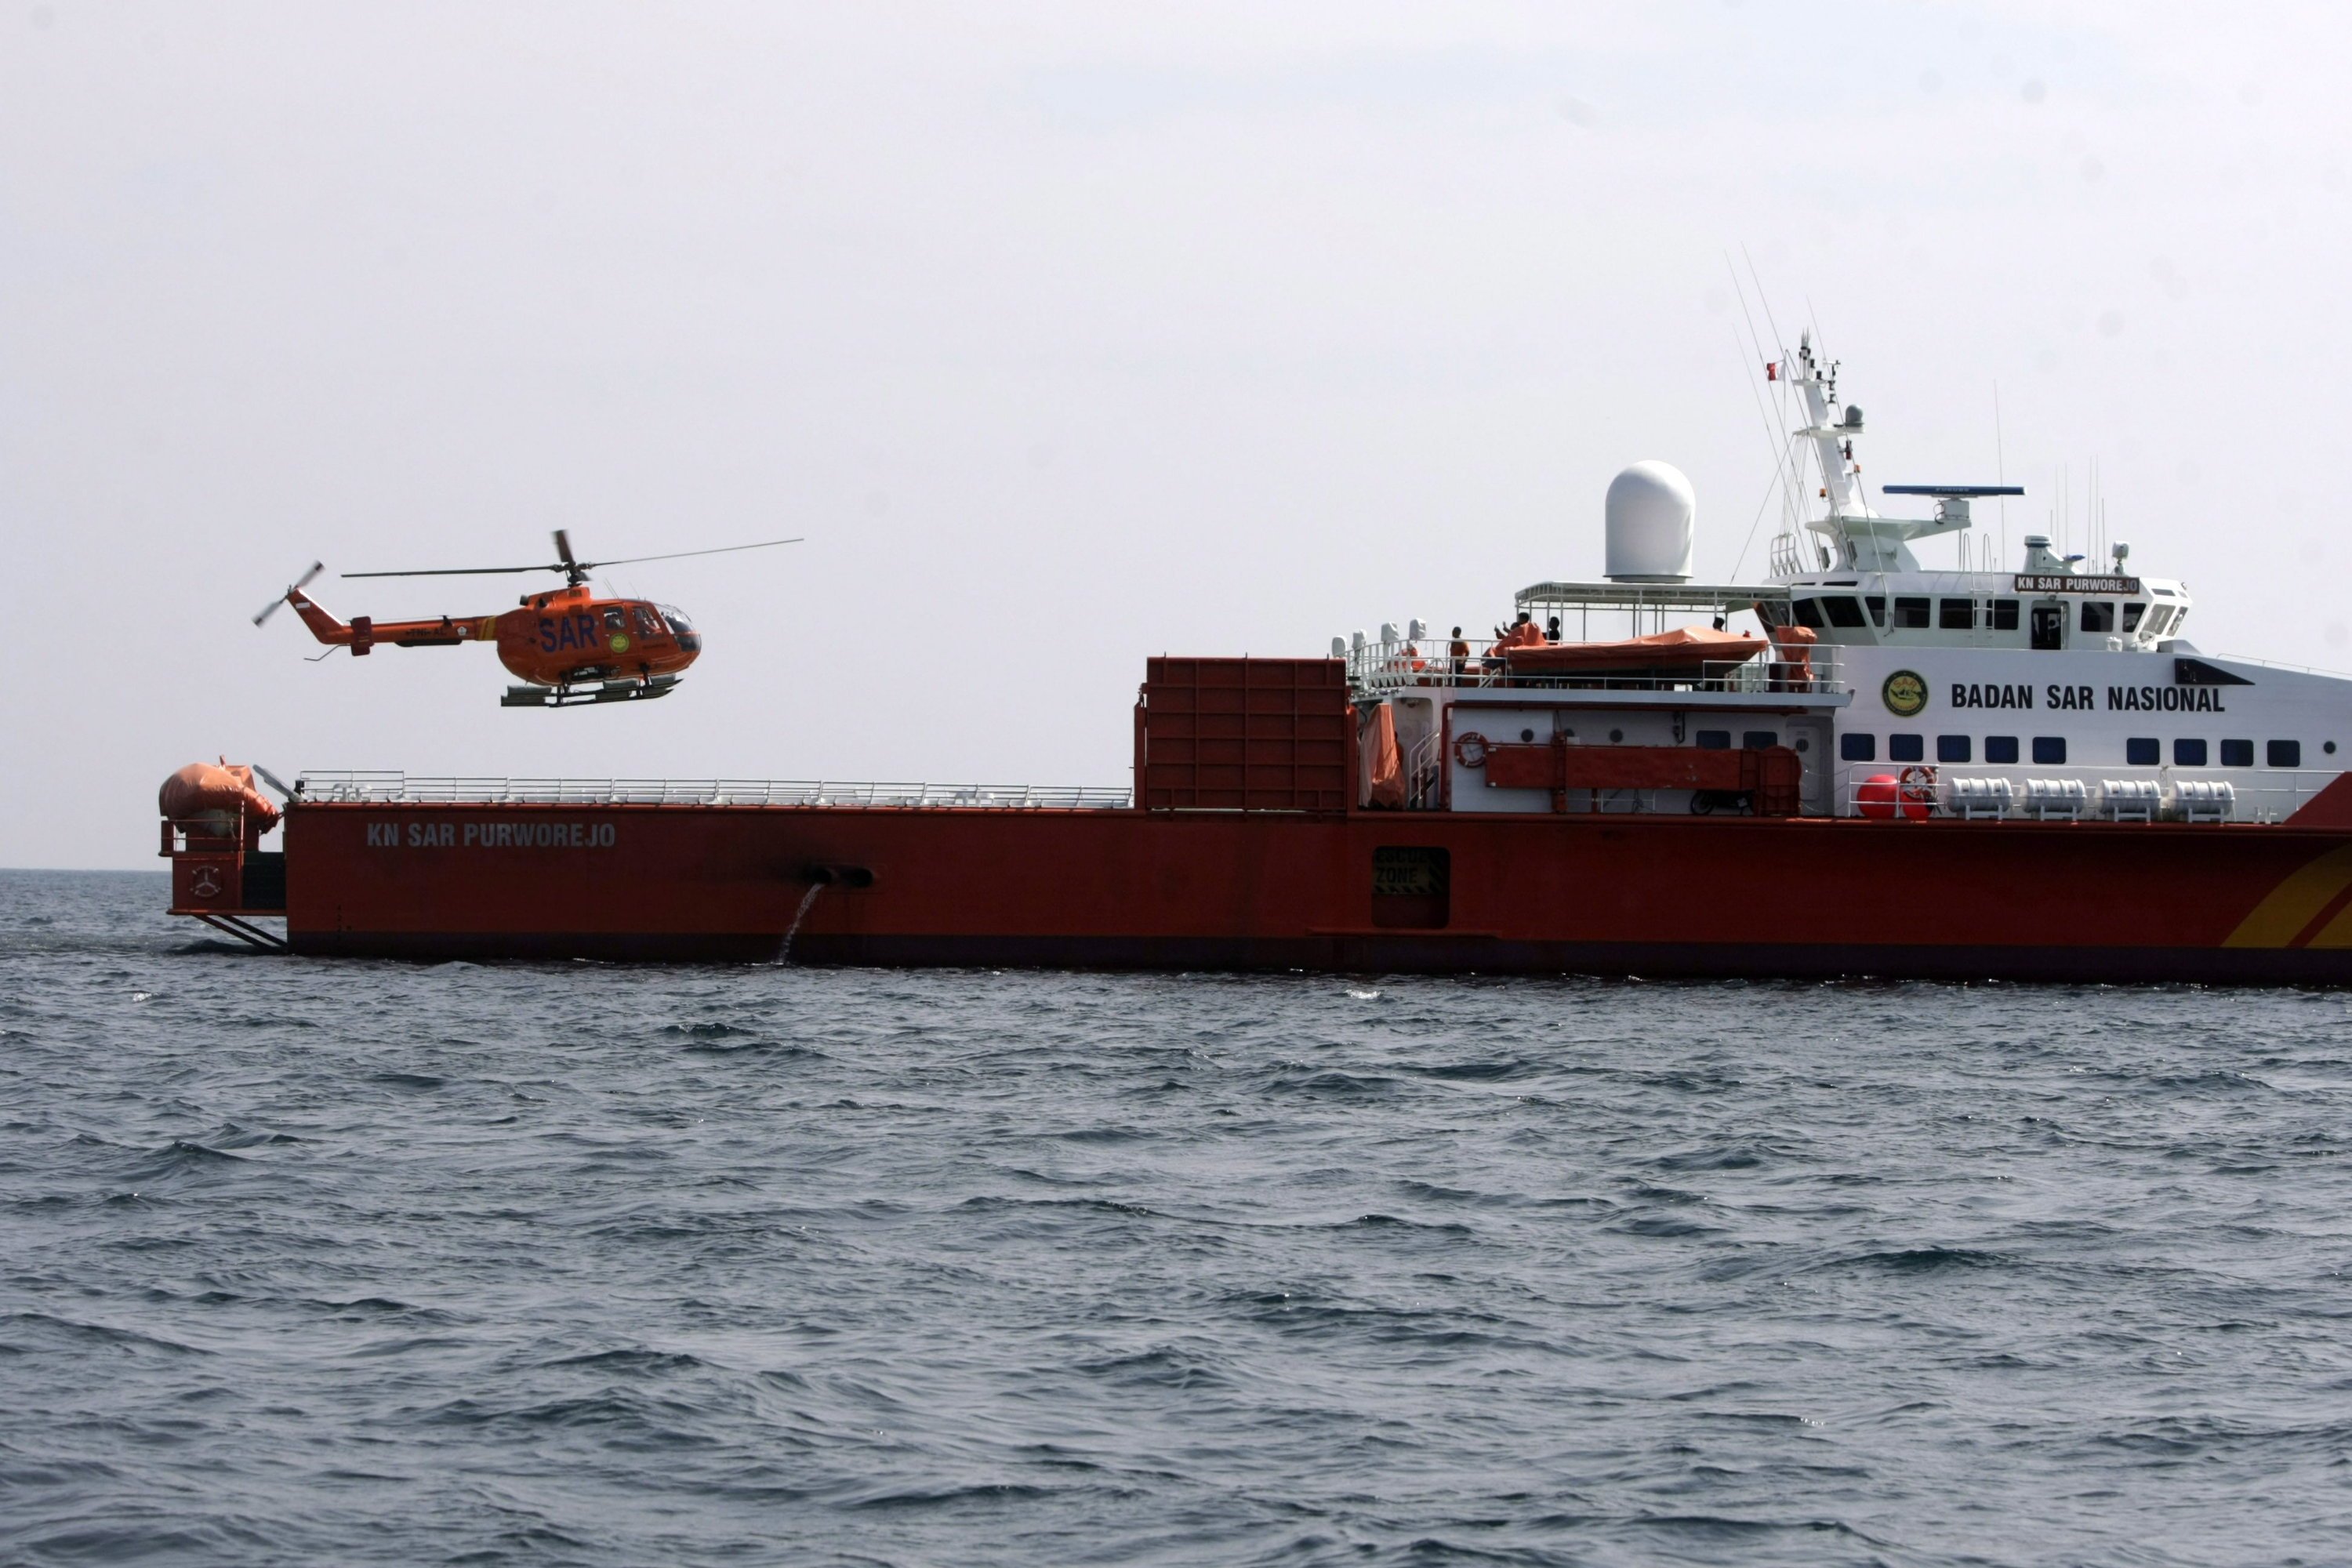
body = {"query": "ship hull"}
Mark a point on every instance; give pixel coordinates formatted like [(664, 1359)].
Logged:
[(1663, 896)]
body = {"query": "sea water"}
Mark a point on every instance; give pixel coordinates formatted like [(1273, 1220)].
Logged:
[(566, 1263)]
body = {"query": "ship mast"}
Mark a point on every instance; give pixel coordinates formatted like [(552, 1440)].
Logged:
[(1857, 537)]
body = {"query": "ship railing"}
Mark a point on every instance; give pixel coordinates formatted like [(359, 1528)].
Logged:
[(372, 788), (1381, 669), (1424, 774), (2058, 792), (1787, 555)]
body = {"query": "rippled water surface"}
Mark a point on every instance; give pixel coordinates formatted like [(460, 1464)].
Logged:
[(351, 1262)]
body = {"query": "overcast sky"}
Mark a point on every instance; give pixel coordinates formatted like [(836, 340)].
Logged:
[(1073, 335)]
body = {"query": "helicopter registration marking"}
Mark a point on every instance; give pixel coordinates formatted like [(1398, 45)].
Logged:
[(491, 836)]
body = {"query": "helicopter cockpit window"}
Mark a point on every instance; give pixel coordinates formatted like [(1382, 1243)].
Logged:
[(678, 623), (615, 621), (648, 624)]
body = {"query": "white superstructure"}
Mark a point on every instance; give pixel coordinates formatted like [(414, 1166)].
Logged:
[(2054, 690)]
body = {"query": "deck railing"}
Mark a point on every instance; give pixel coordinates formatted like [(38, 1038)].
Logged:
[(397, 788), (1382, 668), (1424, 775), (2080, 795)]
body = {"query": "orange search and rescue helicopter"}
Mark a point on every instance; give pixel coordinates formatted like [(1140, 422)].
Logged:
[(569, 646)]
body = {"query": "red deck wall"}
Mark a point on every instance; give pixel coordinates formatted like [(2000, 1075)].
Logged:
[(1243, 734)]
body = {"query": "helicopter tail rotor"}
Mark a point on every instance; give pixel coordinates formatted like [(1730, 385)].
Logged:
[(299, 584)]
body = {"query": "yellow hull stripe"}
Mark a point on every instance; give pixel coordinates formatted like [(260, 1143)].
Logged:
[(2296, 902), (2337, 932)]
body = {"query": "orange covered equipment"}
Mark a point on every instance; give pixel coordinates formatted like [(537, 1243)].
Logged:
[(1686, 649), (1383, 765), (216, 797)]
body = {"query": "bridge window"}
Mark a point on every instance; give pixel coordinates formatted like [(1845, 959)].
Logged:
[(1713, 740), (1911, 613), (2146, 752), (2004, 614), (1955, 614), (2132, 613), (1808, 612), (2188, 753), (2098, 614), (1951, 748), (1906, 749), (1876, 605), (1854, 748), (1759, 740), (2285, 753), (1845, 610), (2000, 749), (2237, 754), (2049, 749)]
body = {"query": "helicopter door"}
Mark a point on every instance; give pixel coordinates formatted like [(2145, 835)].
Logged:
[(613, 631)]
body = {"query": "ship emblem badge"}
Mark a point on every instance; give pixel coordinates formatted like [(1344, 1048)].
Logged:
[(1905, 693)]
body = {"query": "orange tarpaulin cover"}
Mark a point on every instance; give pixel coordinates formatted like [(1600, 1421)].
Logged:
[(1382, 763), (1686, 646)]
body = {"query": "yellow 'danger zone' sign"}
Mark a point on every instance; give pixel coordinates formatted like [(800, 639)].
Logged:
[(1401, 872), (1905, 693)]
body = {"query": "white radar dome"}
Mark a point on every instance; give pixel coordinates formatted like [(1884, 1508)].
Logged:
[(1649, 513)]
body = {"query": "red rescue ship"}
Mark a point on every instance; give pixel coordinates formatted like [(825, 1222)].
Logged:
[(1862, 767)]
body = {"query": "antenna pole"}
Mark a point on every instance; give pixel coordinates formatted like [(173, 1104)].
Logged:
[(2000, 468)]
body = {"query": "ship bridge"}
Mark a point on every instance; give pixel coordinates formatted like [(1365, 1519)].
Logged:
[(2044, 611), (1867, 682)]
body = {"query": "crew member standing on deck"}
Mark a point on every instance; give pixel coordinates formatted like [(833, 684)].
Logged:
[(1459, 652)]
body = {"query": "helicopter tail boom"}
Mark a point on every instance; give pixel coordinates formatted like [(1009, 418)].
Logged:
[(361, 634)]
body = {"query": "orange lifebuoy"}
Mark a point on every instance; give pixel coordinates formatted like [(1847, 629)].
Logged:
[(1470, 749)]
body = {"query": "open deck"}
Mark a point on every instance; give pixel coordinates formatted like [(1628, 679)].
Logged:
[(384, 788)]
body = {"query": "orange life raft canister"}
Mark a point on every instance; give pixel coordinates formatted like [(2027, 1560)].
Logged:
[(214, 795)]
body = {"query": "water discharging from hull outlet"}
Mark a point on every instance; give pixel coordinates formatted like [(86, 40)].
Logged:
[(784, 951)]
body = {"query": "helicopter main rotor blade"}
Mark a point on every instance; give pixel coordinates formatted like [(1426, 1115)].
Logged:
[(299, 584), (569, 564), (681, 554), (458, 572), (563, 548)]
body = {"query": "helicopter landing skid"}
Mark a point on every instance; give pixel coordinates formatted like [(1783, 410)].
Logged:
[(581, 696)]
